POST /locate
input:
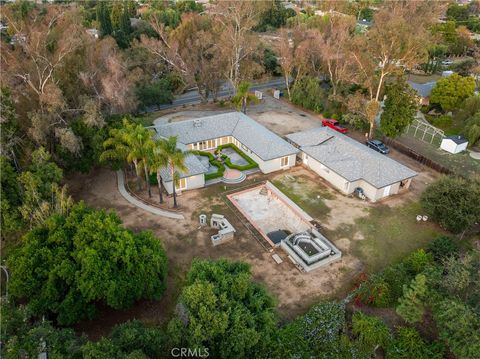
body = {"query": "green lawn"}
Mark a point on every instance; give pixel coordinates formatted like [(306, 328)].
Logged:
[(146, 119), (390, 234), (306, 194)]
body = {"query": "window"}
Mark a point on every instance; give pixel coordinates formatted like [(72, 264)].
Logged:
[(284, 161), (181, 184)]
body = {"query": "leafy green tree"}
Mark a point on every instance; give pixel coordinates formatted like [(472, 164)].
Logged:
[(9, 134), (243, 97), (45, 171), (318, 332), (70, 263), (103, 18), (417, 261), (23, 337), (128, 340), (307, 93), (399, 109), (472, 129), (449, 92), (176, 161), (409, 344), (155, 93), (453, 202), (10, 197), (442, 247), (274, 16), (457, 12), (222, 309), (116, 13), (411, 306), (371, 332), (459, 327), (270, 62)]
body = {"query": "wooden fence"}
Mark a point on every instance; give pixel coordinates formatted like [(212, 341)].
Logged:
[(400, 147)]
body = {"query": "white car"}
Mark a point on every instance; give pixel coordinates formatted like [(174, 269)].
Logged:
[(447, 62)]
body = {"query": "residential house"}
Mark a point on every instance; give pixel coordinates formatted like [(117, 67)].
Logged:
[(348, 164), (268, 150)]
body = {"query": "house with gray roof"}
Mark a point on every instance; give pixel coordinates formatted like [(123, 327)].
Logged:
[(268, 150), (348, 164), (423, 90)]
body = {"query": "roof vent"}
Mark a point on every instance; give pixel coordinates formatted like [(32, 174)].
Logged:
[(197, 122)]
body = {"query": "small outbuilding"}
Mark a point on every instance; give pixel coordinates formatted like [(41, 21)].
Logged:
[(454, 144)]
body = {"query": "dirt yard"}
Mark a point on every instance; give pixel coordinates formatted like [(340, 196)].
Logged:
[(346, 221)]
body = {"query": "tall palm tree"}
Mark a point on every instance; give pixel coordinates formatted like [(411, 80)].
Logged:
[(140, 140), (158, 161), (175, 159), (243, 97), (117, 147)]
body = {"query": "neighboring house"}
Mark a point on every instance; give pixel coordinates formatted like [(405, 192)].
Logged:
[(348, 164), (267, 149), (423, 91), (363, 25), (454, 144)]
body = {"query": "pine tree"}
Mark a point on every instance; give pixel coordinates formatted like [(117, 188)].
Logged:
[(411, 307), (103, 18)]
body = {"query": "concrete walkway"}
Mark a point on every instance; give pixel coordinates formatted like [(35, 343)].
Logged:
[(140, 204)]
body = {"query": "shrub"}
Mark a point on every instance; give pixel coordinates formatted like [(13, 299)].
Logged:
[(396, 276), (251, 163), (453, 202), (307, 93), (442, 247), (214, 162), (417, 261), (409, 344), (441, 121), (375, 292)]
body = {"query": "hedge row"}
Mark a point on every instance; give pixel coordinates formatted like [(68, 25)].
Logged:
[(213, 161), (251, 163)]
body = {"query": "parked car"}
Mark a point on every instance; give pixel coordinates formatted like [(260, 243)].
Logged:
[(378, 146), (447, 62), (334, 124)]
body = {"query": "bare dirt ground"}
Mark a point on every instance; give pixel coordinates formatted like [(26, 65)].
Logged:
[(184, 240)]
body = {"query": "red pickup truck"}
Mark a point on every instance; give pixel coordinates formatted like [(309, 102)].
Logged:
[(334, 125)]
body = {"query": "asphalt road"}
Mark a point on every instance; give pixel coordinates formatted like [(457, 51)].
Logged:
[(192, 97)]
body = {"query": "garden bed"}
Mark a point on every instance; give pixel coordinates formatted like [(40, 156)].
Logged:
[(250, 163)]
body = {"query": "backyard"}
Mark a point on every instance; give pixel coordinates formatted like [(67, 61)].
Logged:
[(369, 235)]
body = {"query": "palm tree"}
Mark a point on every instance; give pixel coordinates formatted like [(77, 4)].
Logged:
[(175, 159), (117, 147), (131, 142), (243, 98), (158, 161), (141, 142)]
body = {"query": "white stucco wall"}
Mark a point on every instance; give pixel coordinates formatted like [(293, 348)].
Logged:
[(193, 182), (347, 187), (450, 146)]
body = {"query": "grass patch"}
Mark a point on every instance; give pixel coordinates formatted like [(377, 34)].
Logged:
[(147, 119), (306, 194), (390, 234)]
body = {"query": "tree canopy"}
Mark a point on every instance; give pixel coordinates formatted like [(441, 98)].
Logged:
[(399, 109), (71, 262), (222, 309), (449, 92), (453, 202)]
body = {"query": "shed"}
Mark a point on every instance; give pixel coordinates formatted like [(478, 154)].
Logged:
[(454, 144)]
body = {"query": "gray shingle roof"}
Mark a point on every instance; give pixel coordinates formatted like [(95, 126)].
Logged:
[(194, 167), (349, 158), (423, 90), (264, 143), (457, 139)]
